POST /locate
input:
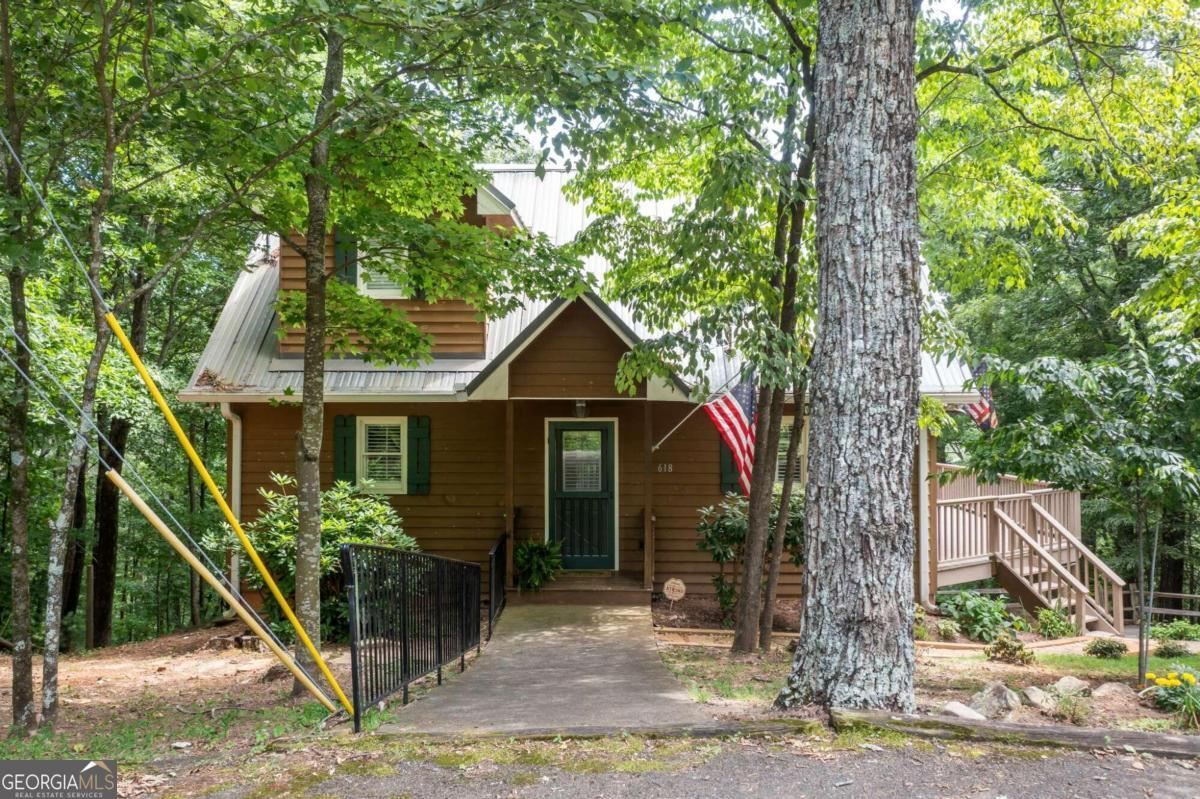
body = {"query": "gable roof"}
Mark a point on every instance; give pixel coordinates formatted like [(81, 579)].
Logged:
[(241, 362)]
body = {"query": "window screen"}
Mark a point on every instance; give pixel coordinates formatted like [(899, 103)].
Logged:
[(582, 465)]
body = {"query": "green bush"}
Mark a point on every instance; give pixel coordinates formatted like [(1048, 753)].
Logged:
[(348, 516), (979, 618), (1171, 649), (1107, 648), (1053, 623), (948, 629), (1007, 649), (537, 563), (722, 528), (1178, 630)]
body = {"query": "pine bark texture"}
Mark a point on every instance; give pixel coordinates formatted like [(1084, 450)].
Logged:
[(312, 413), (856, 647)]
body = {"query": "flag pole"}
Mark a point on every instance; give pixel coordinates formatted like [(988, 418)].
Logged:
[(699, 405)]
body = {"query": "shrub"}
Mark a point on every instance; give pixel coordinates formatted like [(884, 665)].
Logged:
[(1072, 708), (1107, 648), (348, 516), (536, 563), (1006, 649), (1178, 630), (920, 632), (1176, 692), (1171, 649), (722, 528), (948, 629), (980, 618), (1053, 623)]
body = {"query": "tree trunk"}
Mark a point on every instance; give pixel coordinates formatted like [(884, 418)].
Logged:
[(74, 565), (856, 646), (312, 413), (762, 484), (766, 621), (108, 496), (24, 712)]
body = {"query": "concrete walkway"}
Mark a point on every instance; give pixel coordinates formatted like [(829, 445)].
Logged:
[(560, 667)]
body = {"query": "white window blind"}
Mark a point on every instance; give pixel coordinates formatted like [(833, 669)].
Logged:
[(383, 453), (378, 285), (581, 460), (785, 437)]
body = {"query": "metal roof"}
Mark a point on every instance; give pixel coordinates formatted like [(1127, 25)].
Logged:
[(240, 361)]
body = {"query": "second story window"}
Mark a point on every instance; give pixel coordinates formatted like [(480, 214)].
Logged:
[(380, 285)]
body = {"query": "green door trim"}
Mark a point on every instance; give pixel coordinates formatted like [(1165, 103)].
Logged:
[(609, 561)]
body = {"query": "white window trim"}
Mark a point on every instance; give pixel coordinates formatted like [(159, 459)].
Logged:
[(379, 294), (360, 454), (802, 455)]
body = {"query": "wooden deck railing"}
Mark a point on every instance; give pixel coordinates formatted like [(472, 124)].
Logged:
[(1040, 527)]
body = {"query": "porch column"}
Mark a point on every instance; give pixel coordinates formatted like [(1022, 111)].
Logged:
[(648, 495), (509, 475)]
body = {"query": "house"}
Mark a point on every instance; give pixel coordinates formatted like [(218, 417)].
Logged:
[(515, 426)]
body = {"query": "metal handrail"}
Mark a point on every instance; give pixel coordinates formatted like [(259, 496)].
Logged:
[(497, 581)]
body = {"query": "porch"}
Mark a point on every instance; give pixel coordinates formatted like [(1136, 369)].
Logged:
[(1028, 536)]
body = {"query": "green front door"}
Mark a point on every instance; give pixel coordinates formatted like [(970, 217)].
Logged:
[(582, 480)]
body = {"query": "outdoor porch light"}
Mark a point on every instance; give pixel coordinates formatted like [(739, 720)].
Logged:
[(580, 409)]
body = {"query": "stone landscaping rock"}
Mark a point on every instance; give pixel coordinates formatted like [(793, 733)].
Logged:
[(1070, 686), (1115, 690), (1036, 697), (962, 711), (995, 701)]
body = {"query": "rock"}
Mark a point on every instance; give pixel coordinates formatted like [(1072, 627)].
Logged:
[(182, 745), (276, 672), (962, 711), (1070, 686), (1115, 690), (995, 701), (1036, 697)]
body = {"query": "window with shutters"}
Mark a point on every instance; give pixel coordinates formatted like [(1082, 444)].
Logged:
[(383, 453), (801, 472)]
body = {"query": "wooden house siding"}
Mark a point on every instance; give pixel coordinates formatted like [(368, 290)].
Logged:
[(453, 324), (574, 357), (463, 514)]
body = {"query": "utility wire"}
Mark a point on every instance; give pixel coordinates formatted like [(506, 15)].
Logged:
[(132, 470)]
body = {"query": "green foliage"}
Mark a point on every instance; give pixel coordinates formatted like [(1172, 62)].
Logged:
[(722, 530), (1071, 708), (979, 618), (1177, 692), (1007, 649), (1106, 648), (349, 515), (1171, 649), (1177, 630), (537, 563), (1053, 623), (948, 629)]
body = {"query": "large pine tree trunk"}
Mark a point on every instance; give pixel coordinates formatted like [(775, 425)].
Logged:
[(856, 647), (312, 413)]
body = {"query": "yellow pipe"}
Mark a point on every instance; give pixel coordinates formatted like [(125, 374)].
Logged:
[(195, 563), (224, 506)]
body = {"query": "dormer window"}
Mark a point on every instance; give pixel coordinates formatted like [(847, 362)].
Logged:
[(381, 286)]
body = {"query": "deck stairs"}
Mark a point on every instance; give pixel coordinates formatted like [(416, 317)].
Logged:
[(1026, 535)]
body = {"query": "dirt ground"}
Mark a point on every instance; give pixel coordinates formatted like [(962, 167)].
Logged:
[(703, 612)]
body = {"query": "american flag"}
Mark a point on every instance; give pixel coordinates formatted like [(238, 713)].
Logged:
[(733, 413), (983, 412)]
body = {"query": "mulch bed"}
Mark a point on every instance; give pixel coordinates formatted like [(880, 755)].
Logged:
[(703, 612)]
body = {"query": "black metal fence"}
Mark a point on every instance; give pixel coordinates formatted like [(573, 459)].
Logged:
[(410, 615), (497, 580)]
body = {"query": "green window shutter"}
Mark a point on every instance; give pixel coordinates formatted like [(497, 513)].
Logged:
[(729, 472), (345, 449), (418, 454), (345, 258)]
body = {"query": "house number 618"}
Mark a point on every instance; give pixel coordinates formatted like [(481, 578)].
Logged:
[(666, 467)]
